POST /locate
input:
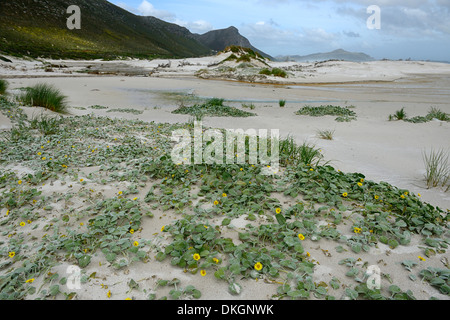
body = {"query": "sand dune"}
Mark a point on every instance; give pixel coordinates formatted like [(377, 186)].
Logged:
[(382, 150)]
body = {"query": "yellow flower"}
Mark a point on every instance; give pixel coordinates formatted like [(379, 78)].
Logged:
[(216, 260), (11, 254), (345, 194), (196, 257), (406, 193), (44, 158), (128, 299), (22, 224), (376, 197), (19, 182), (162, 228), (120, 193), (402, 196), (224, 194), (39, 153), (362, 180), (277, 210), (301, 237), (311, 169), (81, 224), (258, 266), (30, 280), (135, 243), (203, 273), (357, 230), (109, 294), (216, 203), (359, 184), (134, 199), (419, 194), (29, 221), (421, 258), (242, 169), (131, 231), (308, 254), (81, 180)]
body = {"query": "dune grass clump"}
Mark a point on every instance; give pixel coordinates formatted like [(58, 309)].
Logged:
[(437, 168), (398, 115), (213, 108), (292, 153), (436, 113), (433, 113), (45, 96), (343, 114), (282, 103), (325, 134), (3, 86), (277, 72)]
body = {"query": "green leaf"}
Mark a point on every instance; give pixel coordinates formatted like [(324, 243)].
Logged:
[(84, 260), (352, 294), (235, 288), (280, 218), (226, 221), (356, 247), (393, 243), (160, 256), (54, 290)]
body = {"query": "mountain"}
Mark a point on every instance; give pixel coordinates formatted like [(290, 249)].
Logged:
[(339, 54), (218, 40), (39, 28)]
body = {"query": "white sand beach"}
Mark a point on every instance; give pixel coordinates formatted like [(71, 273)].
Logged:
[(381, 150)]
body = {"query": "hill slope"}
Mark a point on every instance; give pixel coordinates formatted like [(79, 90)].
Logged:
[(38, 28), (218, 40)]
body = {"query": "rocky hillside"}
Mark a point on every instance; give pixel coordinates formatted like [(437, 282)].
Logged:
[(219, 40), (39, 28)]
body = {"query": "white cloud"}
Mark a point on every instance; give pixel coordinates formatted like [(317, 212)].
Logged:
[(147, 9), (198, 26)]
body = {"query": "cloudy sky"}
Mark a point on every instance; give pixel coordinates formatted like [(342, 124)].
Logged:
[(407, 29)]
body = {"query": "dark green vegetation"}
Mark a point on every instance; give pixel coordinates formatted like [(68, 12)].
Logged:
[(46, 96), (344, 114), (79, 224), (241, 54), (212, 108), (433, 113), (38, 29), (277, 72), (3, 86)]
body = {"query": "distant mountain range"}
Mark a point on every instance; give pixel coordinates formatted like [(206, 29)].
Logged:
[(38, 28), (339, 54)]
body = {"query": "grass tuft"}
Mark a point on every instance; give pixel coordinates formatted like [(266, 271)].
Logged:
[(3, 86), (291, 153), (325, 134), (46, 96), (437, 168)]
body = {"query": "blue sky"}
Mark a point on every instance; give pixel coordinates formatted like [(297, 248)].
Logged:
[(408, 29)]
